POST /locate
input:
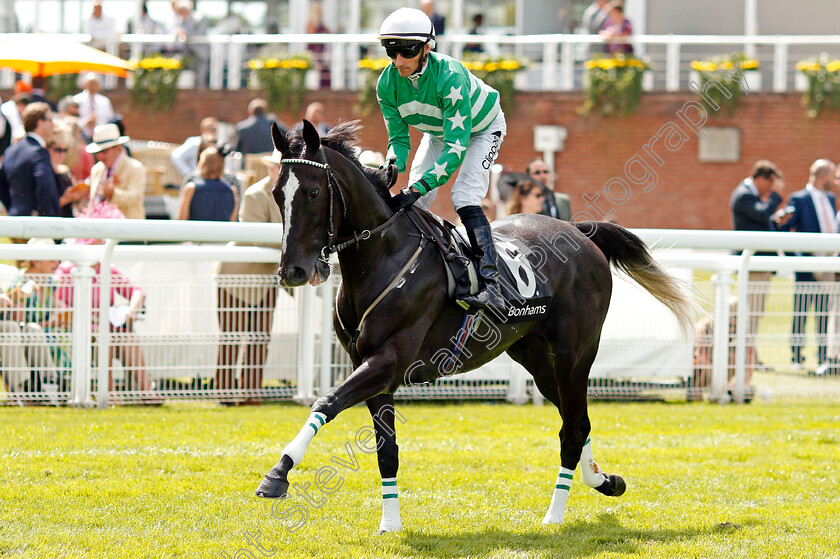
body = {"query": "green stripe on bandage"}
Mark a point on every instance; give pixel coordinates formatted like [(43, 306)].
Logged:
[(561, 486), (565, 476), (389, 483), (394, 496), (320, 419), (314, 427), (588, 440)]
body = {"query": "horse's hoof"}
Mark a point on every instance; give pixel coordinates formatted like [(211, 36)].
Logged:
[(552, 519), (618, 482), (272, 488)]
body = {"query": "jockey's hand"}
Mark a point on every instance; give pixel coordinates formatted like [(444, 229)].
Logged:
[(405, 198)]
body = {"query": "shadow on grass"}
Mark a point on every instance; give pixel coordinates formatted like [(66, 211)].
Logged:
[(578, 539)]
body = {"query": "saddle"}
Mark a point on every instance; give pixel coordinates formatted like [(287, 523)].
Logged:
[(461, 275), (525, 291)]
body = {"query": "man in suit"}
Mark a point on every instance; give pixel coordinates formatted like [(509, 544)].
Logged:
[(555, 204), (811, 210), (753, 203), (246, 309), (254, 133), (116, 177), (94, 108), (29, 186)]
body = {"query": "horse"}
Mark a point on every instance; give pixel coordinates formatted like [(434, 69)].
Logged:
[(393, 313)]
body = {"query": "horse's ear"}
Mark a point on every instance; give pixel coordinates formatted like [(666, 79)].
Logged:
[(311, 137), (281, 142)]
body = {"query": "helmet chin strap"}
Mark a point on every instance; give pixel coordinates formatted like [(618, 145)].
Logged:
[(423, 58)]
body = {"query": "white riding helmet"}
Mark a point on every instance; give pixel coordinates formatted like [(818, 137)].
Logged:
[(407, 26)]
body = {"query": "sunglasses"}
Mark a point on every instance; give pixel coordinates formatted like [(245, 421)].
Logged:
[(406, 52), (539, 172), (58, 150)]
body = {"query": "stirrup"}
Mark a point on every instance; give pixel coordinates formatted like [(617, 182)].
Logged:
[(485, 299)]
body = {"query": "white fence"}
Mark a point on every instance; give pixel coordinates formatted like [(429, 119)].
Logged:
[(555, 59), (642, 354)]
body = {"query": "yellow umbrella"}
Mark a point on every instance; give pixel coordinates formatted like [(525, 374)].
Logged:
[(45, 55)]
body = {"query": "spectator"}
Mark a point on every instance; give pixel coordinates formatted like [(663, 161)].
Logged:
[(116, 177), (71, 194), (148, 26), (191, 35), (703, 346), (617, 30), (811, 210), (555, 204), (438, 21), (68, 107), (315, 25), (478, 21), (39, 94), (753, 203), (28, 184), (229, 178), (94, 108), (122, 318), (527, 198), (101, 28), (254, 133), (5, 135), (78, 158), (208, 198), (315, 114), (248, 310), (594, 17), (185, 157), (13, 109), (29, 313)]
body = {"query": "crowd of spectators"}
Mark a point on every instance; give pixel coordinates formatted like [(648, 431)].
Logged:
[(72, 160)]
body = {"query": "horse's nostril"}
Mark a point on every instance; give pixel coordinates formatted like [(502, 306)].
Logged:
[(298, 276)]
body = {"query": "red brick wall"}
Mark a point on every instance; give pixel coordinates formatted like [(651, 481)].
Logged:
[(689, 194)]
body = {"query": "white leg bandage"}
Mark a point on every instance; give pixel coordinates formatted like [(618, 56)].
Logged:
[(557, 508), (593, 475), (390, 506), (297, 447)]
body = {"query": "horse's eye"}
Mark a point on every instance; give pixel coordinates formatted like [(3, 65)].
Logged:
[(314, 193)]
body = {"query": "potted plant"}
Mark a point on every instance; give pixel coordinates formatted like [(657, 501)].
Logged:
[(283, 77), (822, 87), (613, 85), (721, 69), (155, 82)]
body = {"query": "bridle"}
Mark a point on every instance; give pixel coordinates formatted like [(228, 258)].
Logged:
[(332, 185)]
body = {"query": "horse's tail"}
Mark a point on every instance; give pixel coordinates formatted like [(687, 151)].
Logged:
[(628, 253)]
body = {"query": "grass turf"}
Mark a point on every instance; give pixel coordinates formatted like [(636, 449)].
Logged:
[(476, 479)]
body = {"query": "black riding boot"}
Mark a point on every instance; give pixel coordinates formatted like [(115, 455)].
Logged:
[(481, 239)]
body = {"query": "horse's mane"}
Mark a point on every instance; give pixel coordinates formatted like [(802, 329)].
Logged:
[(342, 138)]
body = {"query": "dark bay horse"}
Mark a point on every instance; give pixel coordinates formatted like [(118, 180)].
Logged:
[(393, 315)]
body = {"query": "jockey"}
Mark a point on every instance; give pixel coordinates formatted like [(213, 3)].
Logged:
[(463, 127)]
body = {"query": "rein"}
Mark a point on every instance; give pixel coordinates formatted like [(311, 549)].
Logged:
[(332, 185), (357, 237)]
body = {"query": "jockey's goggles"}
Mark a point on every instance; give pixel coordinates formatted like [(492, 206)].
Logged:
[(406, 51)]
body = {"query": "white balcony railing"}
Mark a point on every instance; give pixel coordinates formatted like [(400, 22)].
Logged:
[(556, 60)]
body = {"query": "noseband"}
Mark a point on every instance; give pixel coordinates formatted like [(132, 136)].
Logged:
[(332, 186)]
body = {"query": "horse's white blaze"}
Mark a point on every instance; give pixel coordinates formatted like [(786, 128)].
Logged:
[(289, 191)]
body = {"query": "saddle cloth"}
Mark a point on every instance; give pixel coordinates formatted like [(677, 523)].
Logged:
[(522, 285)]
